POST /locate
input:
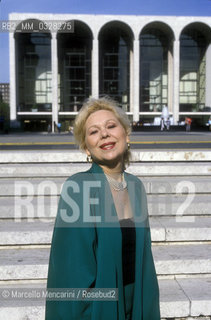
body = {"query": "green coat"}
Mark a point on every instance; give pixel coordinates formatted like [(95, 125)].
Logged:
[(91, 256)]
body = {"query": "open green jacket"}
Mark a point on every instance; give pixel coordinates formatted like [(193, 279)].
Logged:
[(86, 250)]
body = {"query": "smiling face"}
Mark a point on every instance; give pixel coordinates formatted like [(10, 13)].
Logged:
[(105, 138)]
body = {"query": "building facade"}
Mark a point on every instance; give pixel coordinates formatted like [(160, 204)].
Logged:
[(143, 62)]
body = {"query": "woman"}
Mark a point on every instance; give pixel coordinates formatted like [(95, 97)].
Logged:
[(101, 237)]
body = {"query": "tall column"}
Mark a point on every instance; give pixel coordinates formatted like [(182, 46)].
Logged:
[(176, 83), (170, 81), (208, 77), (54, 66), (13, 114), (131, 82), (95, 68), (136, 80)]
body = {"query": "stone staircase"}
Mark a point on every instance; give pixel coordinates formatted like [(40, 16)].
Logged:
[(179, 202)]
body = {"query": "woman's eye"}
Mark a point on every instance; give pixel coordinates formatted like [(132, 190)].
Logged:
[(93, 132), (111, 126)]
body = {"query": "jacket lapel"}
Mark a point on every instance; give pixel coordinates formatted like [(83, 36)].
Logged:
[(136, 199)]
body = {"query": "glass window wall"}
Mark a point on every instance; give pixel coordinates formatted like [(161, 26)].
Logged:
[(74, 51), (192, 71), (153, 70), (34, 92), (115, 45)]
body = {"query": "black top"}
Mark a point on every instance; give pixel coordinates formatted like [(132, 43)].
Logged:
[(128, 250)]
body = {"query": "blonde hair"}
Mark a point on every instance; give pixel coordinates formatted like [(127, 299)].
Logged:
[(92, 105)]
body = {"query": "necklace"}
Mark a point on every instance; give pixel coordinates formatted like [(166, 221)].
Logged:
[(116, 185)]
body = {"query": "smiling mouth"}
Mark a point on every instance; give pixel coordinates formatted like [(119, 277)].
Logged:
[(107, 146)]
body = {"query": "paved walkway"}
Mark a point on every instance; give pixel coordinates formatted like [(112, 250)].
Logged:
[(139, 140)]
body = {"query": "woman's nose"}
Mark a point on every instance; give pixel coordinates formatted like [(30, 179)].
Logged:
[(104, 133)]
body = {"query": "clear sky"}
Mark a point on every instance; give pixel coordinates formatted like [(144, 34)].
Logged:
[(130, 7)]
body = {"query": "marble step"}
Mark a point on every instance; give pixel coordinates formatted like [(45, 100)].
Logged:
[(163, 229), (65, 156), (153, 185), (158, 204), (24, 170), (32, 262), (185, 298), (179, 298), (179, 229)]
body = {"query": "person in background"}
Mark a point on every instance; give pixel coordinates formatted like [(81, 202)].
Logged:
[(188, 122), (209, 122), (162, 124), (59, 125), (168, 122)]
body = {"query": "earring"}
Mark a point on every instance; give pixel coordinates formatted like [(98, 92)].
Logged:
[(128, 146), (89, 159)]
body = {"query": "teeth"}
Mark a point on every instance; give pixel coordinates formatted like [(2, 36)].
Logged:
[(108, 146)]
